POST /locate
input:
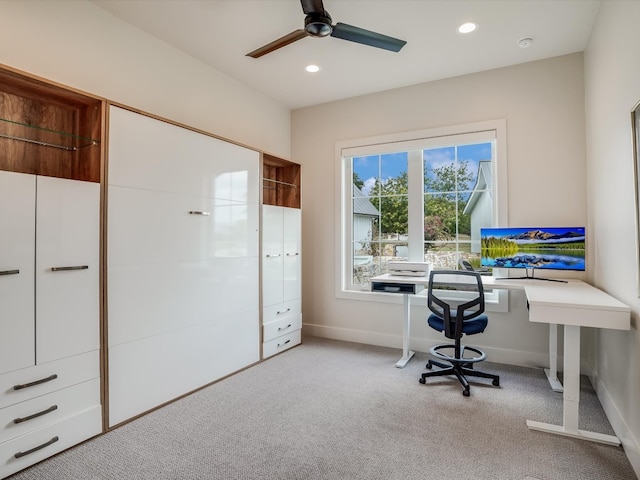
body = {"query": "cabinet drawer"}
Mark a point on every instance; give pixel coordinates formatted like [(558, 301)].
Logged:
[(281, 310), (48, 377), (280, 344), (44, 442), (281, 326), (30, 415)]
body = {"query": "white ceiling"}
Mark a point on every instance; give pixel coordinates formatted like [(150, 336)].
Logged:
[(221, 32)]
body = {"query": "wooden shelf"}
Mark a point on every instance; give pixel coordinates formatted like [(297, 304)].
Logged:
[(48, 130), (280, 182)]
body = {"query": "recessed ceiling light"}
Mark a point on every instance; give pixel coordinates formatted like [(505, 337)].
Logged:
[(467, 27), (312, 68)]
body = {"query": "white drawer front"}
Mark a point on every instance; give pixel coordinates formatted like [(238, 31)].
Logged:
[(282, 326), (68, 371), (52, 439), (277, 312), (280, 344), (30, 415)]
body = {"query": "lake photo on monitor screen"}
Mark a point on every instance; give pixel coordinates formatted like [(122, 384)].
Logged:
[(554, 248)]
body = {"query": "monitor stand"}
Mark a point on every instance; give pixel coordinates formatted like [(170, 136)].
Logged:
[(527, 277)]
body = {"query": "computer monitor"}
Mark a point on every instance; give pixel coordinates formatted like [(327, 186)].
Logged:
[(536, 248)]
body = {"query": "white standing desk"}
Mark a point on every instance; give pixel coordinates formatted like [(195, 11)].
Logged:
[(573, 304)]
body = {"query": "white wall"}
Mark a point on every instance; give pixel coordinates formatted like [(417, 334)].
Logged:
[(612, 88), (82, 46), (543, 104)]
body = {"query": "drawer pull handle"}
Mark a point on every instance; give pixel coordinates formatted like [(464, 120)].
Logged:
[(271, 255), (39, 447), (37, 382), (284, 328), (198, 212), (283, 344), (66, 269), (35, 415), (293, 254), (10, 272), (284, 311)]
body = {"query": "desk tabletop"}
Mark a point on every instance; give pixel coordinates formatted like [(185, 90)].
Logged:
[(586, 301)]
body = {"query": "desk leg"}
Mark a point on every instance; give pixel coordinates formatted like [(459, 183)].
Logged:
[(552, 371), (406, 353), (571, 395)]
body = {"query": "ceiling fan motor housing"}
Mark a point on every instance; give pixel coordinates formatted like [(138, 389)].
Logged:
[(318, 24)]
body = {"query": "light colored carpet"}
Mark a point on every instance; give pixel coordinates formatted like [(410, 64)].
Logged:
[(336, 410)]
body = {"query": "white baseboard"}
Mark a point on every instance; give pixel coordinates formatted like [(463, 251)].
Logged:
[(497, 355), (620, 427)]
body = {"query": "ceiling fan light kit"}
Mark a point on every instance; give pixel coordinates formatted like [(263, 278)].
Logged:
[(318, 23)]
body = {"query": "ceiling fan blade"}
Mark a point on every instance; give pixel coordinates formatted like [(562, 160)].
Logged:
[(279, 43), (366, 37), (312, 6)]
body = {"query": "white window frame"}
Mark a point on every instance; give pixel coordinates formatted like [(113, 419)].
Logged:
[(496, 300)]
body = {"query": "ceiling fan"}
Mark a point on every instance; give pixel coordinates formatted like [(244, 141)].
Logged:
[(318, 24)]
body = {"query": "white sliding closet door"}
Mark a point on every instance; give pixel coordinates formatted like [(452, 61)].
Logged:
[(183, 257)]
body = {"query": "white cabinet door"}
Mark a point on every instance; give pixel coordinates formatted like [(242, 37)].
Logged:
[(280, 254), (17, 240), (67, 267), (291, 253), (272, 255)]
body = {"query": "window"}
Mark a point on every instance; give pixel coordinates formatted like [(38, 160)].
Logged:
[(419, 196)]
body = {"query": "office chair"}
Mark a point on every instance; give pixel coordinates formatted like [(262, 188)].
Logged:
[(465, 317)]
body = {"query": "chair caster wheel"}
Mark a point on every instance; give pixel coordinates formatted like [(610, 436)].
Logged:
[(466, 393), (429, 366), (496, 383), (422, 381)]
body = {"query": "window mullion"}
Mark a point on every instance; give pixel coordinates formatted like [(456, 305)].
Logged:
[(416, 206)]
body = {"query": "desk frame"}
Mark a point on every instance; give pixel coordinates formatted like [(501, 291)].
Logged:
[(573, 304)]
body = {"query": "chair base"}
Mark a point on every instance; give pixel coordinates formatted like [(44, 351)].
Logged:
[(460, 367)]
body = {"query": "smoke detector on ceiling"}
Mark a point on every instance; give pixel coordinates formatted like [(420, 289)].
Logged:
[(525, 42)]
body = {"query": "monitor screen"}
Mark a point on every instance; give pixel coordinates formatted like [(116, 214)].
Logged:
[(554, 248)]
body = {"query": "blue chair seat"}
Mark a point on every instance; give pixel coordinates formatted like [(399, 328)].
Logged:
[(470, 327)]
